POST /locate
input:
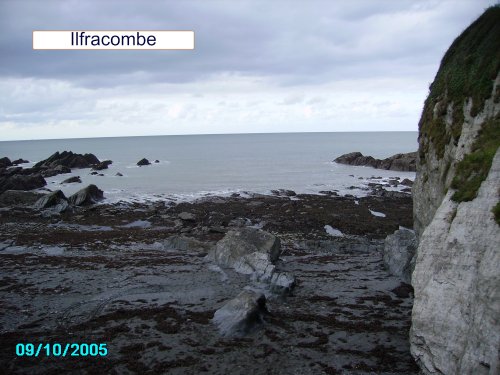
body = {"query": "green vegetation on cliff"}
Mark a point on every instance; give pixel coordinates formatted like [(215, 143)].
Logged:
[(474, 168), (468, 69)]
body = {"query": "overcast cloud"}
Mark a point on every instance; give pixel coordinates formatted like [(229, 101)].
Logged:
[(258, 66)]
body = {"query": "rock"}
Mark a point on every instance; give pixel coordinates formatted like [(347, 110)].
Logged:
[(19, 161), (407, 182), (5, 162), (241, 314), (157, 161), (102, 165), (253, 252), (282, 282), (68, 159), (143, 161), (55, 200), (381, 192), (186, 216), (284, 192), (59, 169), (88, 195), (399, 253), (12, 198), (118, 174), (22, 182), (74, 179), (329, 192), (240, 222), (398, 162), (94, 173), (242, 242)]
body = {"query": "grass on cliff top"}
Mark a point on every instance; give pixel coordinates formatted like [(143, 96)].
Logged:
[(468, 69), (475, 166)]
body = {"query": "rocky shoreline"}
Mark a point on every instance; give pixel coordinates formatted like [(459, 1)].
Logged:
[(140, 278)]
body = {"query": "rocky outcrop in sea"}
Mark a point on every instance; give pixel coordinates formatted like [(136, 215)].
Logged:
[(398, 162)]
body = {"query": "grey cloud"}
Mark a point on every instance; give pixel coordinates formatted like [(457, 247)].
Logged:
[(290, 43)]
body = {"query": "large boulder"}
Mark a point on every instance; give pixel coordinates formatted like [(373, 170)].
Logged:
[(399, 253), (22, 182), (88, 195), (253, 252), (55, 200), (241, 314), (244, 242)]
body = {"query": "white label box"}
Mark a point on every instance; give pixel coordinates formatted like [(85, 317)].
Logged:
[(113, 40)]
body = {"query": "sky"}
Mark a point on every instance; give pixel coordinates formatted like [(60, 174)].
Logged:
[(258, 67)]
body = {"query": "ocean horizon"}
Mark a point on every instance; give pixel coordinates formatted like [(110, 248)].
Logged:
[(192, 166)]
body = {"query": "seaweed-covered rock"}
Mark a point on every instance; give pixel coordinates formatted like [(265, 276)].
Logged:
[(86, 196)]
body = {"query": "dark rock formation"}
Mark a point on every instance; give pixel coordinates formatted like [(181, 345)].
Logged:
[(12, 198), (398, 162), (60, 169), (157, 161), (86, 196), (284, 192), (5, 162), (55, 200), (142, 162), (21, 182), (19, 161), (102, 165), (71, 180), (68, 159), (187, 216), (119, 174)]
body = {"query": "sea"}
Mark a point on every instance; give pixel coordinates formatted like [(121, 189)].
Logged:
[(195, 166)]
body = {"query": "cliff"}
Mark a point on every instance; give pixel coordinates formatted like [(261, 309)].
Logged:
[(456, 313)]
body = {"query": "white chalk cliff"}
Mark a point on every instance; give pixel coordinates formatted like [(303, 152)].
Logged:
[(456, 313)]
